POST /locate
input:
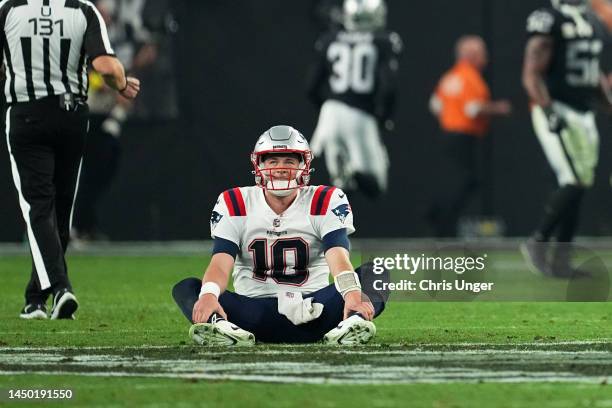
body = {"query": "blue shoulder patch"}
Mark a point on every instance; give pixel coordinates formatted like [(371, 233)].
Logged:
[(342, 211), (215, 218)]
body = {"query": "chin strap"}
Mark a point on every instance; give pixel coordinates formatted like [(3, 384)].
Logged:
[(275, 189), (281, 193)]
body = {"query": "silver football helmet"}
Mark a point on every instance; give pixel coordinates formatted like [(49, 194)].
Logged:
[(281, 140), (364, 15)]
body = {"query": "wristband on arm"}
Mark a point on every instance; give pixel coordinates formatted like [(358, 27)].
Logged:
[(210, 287), (347, 281)]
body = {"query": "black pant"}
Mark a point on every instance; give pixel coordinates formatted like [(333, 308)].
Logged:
[(461, 153), (46, 146)]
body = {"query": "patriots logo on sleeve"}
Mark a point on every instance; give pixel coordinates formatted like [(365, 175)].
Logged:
[(215, 218), (342, 211)]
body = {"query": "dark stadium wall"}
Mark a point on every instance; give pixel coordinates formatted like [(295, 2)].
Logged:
[(242, 68)]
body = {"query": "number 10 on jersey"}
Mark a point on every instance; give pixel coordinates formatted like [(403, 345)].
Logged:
[(275, 260)]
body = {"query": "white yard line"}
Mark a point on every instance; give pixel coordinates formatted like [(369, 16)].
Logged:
[(408, 353), (309, 348), (375, 366), (498, 377)]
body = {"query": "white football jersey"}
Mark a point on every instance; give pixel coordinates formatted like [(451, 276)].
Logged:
[(283, 252)]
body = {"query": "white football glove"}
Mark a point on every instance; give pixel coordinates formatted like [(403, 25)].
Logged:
[(297, 309)]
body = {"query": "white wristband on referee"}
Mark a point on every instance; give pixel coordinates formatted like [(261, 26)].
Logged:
[(212, 288), (347, 281)]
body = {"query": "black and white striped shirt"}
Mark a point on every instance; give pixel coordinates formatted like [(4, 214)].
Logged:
[(46, 45)]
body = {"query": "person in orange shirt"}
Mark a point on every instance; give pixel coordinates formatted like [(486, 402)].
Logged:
[(462, 103), (603, 9)]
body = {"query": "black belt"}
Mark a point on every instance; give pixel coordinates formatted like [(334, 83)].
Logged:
[(67, 102)]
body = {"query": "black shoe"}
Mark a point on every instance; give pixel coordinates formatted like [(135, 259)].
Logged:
[(33, 311), (64, 305), (536, 256)]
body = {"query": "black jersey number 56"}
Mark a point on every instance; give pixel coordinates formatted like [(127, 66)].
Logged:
[(271, 261)]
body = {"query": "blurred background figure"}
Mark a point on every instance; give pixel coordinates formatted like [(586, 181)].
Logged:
[(462, 103), (353, 83), (603, 9), (152, 26), (562, 77), (136, 48), (327, 14)]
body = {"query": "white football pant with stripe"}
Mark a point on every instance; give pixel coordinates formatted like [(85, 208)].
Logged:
[(574, 153)]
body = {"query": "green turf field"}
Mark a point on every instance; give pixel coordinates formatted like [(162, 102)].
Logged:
[(129, 346)]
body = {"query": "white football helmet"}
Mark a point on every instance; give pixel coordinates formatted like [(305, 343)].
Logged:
[(364, 15), (281, 139)]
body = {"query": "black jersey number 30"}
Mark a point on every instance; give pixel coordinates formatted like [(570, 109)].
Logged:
[(277, 269), (354, 67)]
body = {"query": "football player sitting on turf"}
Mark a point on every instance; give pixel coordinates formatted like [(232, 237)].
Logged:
[(280, 240)]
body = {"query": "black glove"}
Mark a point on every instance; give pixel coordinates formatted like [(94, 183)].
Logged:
[(556, 123)]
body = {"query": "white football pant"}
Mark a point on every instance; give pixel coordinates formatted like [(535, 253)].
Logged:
[(573, 155), (352, 144)]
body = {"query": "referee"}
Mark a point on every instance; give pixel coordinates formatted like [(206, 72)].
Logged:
[(46, 47)]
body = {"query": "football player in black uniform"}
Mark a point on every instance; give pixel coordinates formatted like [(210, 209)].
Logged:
[(354, 84), (562, 77)]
